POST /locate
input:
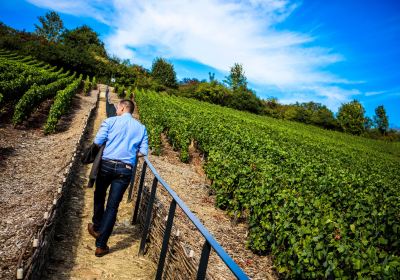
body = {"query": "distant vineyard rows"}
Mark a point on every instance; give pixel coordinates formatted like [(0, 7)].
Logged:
[(26, 83)]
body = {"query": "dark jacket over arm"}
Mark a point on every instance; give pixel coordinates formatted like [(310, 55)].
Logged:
[(93, 155)]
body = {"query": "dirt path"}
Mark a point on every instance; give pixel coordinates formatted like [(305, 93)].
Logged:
[(31, 168), (73, 253)]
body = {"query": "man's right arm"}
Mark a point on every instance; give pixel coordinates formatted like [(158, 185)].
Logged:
[(144, 145), (102, 134)]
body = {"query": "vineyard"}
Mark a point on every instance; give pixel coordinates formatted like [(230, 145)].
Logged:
[(325, 204), (25, 83)]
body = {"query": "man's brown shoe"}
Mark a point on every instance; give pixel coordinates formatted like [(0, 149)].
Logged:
[(101, 251), (91, 231)]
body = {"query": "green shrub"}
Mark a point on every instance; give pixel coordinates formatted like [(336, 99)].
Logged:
[(87, 86), (36, 95), (62, 103), (129, 93), (94, 83), (121, 92)]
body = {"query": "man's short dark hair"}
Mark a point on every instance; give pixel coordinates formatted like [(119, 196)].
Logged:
[(128, 104)]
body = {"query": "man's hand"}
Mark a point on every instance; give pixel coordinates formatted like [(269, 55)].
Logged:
[(140, 155)]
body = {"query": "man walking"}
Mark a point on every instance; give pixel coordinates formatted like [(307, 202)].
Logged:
[(125, 139)]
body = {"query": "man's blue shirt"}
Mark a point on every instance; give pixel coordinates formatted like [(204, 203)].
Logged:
[(124, 137)]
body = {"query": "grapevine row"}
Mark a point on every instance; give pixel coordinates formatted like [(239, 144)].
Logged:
[(17, 77), (61, 104), (36, 95)]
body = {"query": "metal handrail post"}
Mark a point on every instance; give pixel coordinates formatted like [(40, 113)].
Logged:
[(148, 216), (139, 194), (167, 234), (205, 254), (132, 183)]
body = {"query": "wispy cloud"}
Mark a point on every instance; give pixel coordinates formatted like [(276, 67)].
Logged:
[(97, 9), (370, 93), (219, 33), (378, 94), (332, 96)]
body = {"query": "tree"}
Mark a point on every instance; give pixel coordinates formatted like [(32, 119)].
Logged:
[(127, 62), (189, 81), (236, 79), (381, 119), (315, 113), (291, 113), (52, 26), (163, 72), (84, 38), (324, 118), (271, 107), (212, 92), (211, 76), (368, 123), (351, 117)]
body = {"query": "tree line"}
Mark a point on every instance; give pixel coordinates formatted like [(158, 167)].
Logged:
[(234, 92), (81, 50)]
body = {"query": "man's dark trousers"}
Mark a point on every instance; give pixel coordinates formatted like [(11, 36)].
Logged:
[(118, 175)]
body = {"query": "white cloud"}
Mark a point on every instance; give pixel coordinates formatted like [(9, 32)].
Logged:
[(331, 96), (370, 93), (96, 9), (218, 33)]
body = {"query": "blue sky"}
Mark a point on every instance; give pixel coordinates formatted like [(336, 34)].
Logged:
[(324, 51)]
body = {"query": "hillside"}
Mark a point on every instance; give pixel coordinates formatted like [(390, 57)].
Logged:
[(324, 203)]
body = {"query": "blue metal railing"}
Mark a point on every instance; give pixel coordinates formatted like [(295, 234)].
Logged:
[(209, 242)]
